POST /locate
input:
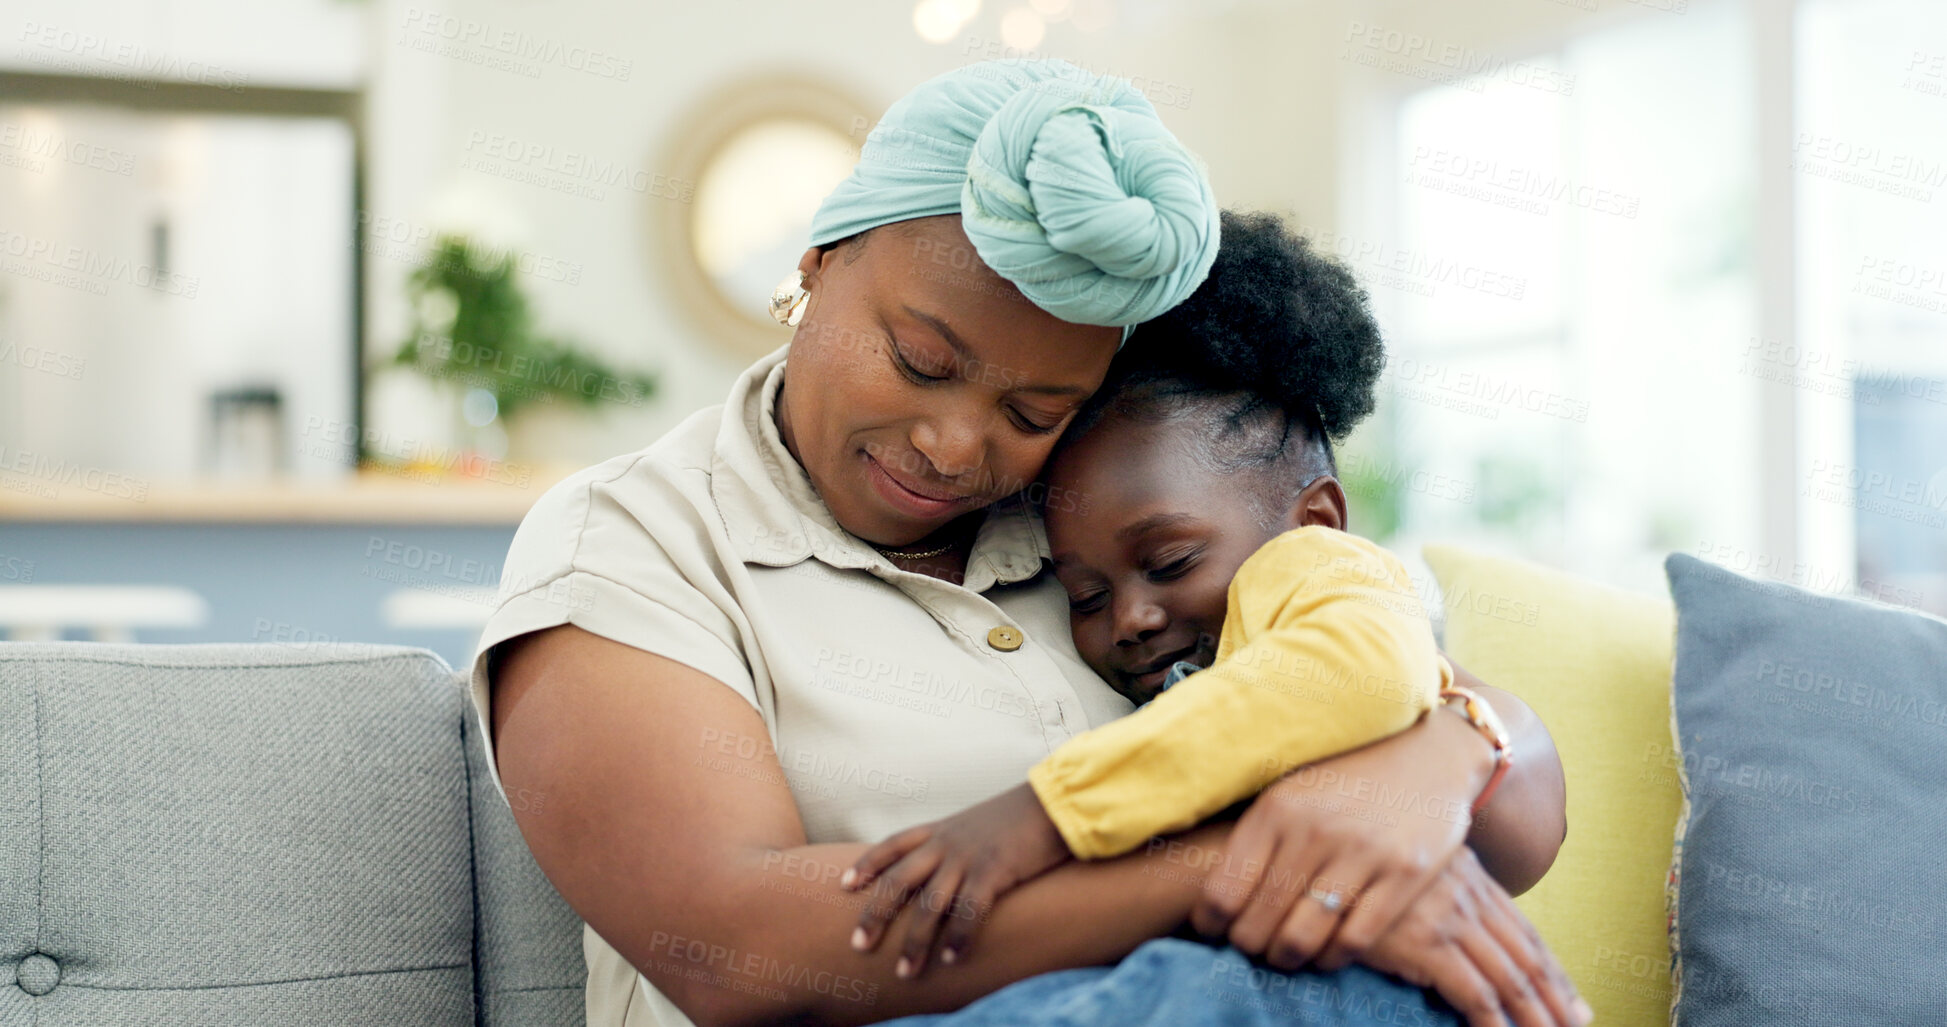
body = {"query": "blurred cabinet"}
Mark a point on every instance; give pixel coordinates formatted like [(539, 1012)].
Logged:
[(152, 262)]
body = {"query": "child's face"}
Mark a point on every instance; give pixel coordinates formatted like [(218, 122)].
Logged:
[(1146, 540)]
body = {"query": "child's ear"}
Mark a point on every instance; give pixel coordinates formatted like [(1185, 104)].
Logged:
[(1322, 502)]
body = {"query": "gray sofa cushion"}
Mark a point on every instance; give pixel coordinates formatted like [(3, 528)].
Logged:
[(254, 835), (1813, 733)]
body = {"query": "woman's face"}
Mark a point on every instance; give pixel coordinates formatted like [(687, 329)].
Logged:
[(922, 386)]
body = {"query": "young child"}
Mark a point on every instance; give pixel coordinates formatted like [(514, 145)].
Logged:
[(1212, 536)]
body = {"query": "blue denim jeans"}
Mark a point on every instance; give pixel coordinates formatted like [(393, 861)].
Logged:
[(1170, 982)]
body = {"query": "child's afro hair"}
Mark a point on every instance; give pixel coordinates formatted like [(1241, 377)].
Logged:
[(1277, 319)]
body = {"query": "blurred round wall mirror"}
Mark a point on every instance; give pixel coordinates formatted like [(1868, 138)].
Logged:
[(755, 161)]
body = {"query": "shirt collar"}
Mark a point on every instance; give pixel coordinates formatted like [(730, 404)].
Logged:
[(775, 518)]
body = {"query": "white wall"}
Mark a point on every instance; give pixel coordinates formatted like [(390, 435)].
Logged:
[(232, 44)]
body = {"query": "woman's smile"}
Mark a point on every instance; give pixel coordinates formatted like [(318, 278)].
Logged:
[(926, 502)]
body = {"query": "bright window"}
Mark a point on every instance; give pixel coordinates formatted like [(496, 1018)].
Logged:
[(1870, 367), (1567, 292)]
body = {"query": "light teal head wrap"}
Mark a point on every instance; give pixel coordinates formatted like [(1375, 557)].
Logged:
[(1067, 183)]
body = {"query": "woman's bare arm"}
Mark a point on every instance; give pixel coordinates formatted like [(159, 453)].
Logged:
[(662, 816)]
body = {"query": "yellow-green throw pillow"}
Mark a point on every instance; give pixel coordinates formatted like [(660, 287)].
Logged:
[(1594, 663)]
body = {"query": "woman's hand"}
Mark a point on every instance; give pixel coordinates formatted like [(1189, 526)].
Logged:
[(1464, 938), (959, 865), (1326, 859)]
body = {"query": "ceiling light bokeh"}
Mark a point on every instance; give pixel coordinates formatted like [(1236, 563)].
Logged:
[(1022, 29), (937, 21)]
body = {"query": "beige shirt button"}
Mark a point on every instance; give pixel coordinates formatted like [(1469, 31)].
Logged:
[(1004, 638)]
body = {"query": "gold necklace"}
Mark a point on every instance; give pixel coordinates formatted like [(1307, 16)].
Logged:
[(891, 553)]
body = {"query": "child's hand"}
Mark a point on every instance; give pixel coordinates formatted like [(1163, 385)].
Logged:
[(961, 864)]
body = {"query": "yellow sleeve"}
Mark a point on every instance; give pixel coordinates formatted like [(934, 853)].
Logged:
[(1325, 648)]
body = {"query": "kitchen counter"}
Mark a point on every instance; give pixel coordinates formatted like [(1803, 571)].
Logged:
[(370, 497)]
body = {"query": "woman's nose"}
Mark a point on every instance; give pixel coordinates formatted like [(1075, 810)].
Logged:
[(1137, 620), (951, 443)]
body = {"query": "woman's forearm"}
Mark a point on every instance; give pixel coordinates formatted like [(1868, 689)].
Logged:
[(781, 951)]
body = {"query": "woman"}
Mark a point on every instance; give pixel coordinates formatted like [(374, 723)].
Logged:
[(819, 614)]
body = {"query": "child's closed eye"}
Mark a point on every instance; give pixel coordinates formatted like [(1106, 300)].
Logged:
[(1175, 567), (1088, 603)]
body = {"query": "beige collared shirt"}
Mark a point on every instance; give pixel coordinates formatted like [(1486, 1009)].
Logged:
[(889, 696)]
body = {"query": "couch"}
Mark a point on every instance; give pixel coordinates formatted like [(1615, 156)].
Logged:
[(263, 834)]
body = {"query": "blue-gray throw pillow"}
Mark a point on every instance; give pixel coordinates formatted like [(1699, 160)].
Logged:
[(1811, 864)]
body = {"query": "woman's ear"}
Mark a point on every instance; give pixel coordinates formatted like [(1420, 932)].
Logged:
[(813, 259), (1322, 502), (811, 269)]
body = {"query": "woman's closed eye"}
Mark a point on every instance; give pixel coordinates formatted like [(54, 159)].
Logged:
[(1033, 426), (910, 368)]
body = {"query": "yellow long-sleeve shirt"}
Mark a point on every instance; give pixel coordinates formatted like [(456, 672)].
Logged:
[(1325, 648)]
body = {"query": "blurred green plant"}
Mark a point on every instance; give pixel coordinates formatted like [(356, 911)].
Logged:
[(1375, 500), (471, 327), (1515, 492)]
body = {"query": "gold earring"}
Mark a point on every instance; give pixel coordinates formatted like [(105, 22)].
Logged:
[(788, 300)]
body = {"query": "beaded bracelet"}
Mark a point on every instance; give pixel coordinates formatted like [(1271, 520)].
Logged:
[(1484, 720)]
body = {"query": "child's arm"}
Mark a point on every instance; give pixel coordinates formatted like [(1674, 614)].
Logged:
[(1326, 649)]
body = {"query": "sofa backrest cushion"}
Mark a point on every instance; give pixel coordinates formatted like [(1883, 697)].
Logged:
[(224, 834), (1594, 663)]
